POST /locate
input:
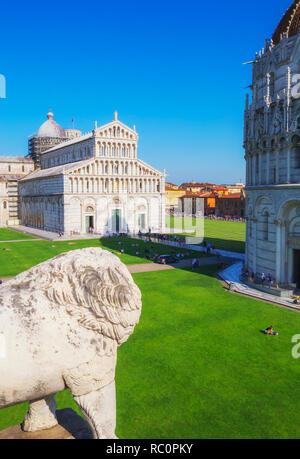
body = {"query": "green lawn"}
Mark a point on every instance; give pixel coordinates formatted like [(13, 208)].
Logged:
[(19, 256), (198, 365), (224, 235), (10, 235)]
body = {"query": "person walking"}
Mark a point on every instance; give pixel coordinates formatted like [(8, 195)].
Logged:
[(270, 280), (194, 262), (263, 278)]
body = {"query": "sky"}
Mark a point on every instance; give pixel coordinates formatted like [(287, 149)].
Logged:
[(171, 68)]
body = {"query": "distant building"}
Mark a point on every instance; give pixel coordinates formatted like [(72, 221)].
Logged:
[(209, 199), (91, 182), (235, 187), (12, 169), (196, 187), (173, 194), (230, 205)]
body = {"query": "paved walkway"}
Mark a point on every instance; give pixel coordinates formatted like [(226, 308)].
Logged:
[(50, 235), (231, 276), (148, 267)]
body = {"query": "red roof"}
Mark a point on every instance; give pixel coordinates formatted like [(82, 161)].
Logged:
[(169, 188), (231, 196), (204, 194)]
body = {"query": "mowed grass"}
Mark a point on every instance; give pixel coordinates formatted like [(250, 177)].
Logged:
[(199, 366), (10, 235), (224, 235), (20, 256)]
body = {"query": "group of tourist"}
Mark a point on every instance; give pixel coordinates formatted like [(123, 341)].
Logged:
[(149, 251), (254, 277), (227, 218)]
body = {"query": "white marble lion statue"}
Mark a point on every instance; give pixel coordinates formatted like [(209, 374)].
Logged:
[(60, 325)]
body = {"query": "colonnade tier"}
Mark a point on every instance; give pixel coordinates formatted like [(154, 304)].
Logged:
[(113, 185), (102, 149), (113, 167), (278, 164)]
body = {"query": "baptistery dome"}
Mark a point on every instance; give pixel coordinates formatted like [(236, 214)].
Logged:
[(50, 128), (289, 24)]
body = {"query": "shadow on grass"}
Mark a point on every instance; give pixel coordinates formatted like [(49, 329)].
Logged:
[(146, 251), (225, 244)]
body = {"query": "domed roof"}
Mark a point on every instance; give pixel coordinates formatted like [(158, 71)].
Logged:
[(289, 24), (50, 128)]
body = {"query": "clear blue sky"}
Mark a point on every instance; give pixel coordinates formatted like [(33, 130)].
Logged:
[(172, 68)]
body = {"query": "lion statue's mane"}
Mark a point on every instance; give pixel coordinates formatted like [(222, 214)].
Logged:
[(93, 286)]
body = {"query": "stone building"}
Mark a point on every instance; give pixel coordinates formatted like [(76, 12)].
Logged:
[(93, 181), (173, 195), (12, 169), (231, 205), (195, 187), (190, 202), (49, 134), (272, 153)]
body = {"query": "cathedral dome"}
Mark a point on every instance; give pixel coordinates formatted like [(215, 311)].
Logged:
[(289, 24), (50, 128)]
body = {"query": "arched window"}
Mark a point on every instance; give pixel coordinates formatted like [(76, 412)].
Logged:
[(265, 226)]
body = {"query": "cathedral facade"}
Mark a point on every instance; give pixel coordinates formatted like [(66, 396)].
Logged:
[(92, 182), (272, 153)]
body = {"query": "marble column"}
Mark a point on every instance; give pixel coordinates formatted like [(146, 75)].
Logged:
[(279, 258), (254, 241), (288, 166)]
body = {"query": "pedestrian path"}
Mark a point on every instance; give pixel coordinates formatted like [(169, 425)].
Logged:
[(51, 236), (231, 276), (147, 267), (20, 240)]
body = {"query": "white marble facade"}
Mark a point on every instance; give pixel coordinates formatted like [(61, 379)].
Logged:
[(272, 146), (12, 168), (94, 181)]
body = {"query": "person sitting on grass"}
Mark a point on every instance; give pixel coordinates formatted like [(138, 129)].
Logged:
[(270, 331)]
